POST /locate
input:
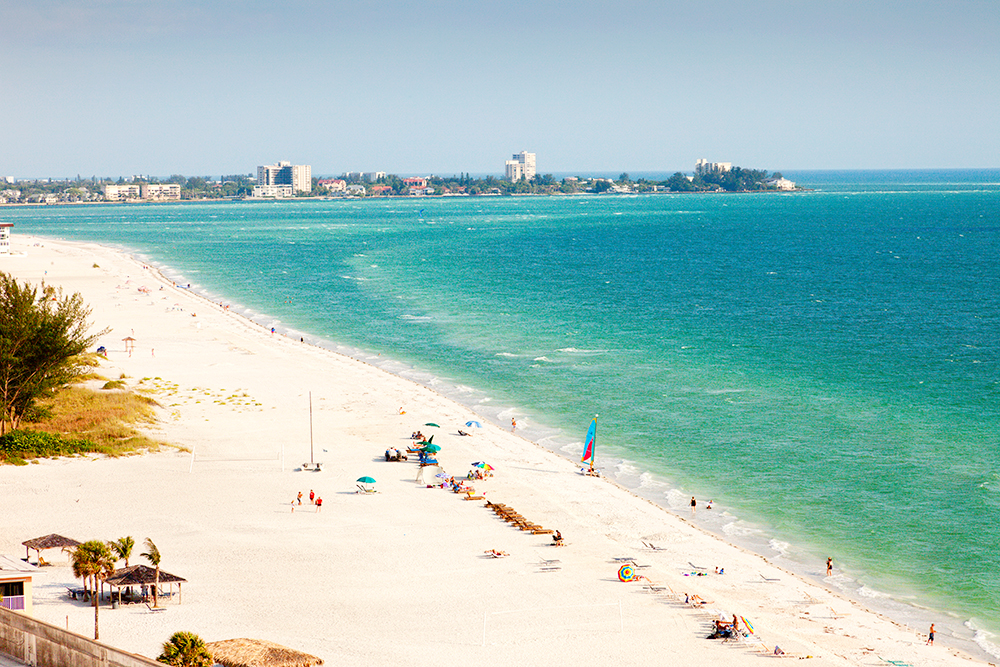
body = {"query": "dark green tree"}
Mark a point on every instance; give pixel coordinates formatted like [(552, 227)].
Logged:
[(680, 183), (42, 335), (185, 649)]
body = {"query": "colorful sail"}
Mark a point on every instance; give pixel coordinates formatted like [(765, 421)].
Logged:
[(590, 443)]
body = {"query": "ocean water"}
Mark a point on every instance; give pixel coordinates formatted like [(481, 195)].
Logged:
[(824, 365)]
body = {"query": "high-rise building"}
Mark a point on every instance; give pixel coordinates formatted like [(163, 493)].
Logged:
[(703, 166), (521, 165), (299, 176)]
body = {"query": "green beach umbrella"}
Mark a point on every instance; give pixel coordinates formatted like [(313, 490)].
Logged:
[(366, 480), (432, 424), (432, 449)]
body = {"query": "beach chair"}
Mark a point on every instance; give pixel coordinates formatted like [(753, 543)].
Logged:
[(155, 609), (474, 498), (542, 531), (768, 579)]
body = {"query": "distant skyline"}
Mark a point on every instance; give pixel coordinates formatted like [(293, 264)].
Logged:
[(121, 87)]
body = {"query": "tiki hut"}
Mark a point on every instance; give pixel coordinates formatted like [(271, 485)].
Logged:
[(258, 653), (53, 541), (142, 575)]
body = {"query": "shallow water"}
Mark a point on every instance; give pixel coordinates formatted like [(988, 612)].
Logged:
[(824, 365)]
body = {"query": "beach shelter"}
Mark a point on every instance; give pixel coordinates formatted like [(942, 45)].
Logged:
[(142, 575), (258, 653), (53, 541)]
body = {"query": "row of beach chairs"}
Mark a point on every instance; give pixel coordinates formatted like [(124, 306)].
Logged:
[(513, 518)]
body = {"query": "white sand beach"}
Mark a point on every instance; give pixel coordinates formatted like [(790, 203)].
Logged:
[(395, 577)]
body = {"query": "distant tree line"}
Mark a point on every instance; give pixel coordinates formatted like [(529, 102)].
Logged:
[(234, 186)]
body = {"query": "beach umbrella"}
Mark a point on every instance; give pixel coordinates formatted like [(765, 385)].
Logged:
[(432, 424), (626, 573), (366, 480), (474, 423), (482, 464), (432, 449)]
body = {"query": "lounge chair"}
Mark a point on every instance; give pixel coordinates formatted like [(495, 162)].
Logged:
[(155, 608), (767, 579), (897, 663), (474, 498)]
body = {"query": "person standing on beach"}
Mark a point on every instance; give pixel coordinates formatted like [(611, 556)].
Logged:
[(694, 505), (513, 425), (829, 567), (312, 497), (299, 498), (319, 504), (930, 636)]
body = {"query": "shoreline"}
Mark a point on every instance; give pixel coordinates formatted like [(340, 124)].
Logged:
[(233, 325), (748, 534)]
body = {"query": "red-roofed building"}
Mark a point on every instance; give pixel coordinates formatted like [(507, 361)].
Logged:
[(415, 182)]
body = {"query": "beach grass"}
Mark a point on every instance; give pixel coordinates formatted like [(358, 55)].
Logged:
[(80, 419)]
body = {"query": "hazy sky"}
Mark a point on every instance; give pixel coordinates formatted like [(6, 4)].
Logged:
[(205, 87)]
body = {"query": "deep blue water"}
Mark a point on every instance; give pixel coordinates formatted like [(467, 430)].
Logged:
[(823, 364)]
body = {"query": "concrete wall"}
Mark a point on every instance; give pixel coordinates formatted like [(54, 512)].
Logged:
[(40, 644)]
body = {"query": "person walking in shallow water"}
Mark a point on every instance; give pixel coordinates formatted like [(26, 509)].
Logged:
[(930, 636), (694, 505), (829, 567)]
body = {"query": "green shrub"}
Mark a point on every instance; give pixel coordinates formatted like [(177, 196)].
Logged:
[(114, 384), (22, 444)]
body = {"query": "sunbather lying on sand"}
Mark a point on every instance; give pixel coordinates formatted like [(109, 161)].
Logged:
[(496, 554)]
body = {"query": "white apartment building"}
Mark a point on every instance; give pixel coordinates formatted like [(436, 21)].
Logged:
[(780, 183), (703, 166), (333, 184), (272, 191), (160, 191), (521, 165), (122, 192), (298, 176)]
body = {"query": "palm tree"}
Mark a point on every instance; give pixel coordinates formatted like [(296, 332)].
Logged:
[(94, 559), (185, 649), (152, 554), (123, 548)]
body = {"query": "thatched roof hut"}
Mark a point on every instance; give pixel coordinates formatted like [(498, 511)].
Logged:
[(142, 575), (137, 575), (258, 653), (53, 541)]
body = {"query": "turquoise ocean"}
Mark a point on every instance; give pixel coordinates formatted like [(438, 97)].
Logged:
[(824, 365)]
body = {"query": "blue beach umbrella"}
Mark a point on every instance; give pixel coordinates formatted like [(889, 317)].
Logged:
[(366, 480), (474, 423)]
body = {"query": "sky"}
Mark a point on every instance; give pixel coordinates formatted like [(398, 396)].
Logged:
[(212, 87)]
